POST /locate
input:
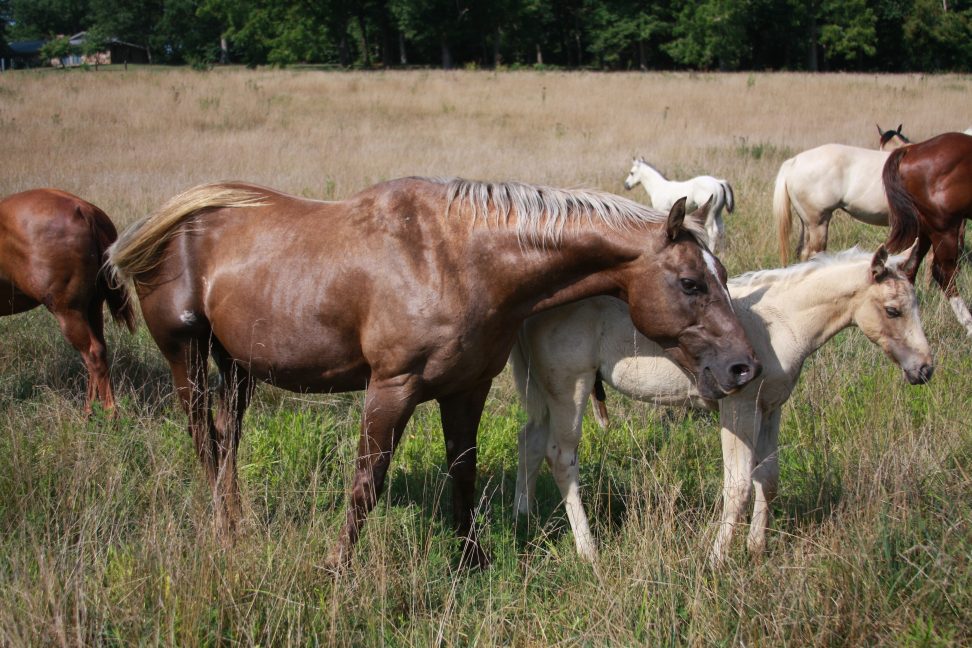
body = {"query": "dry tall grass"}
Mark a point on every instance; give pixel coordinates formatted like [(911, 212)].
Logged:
[(106, 534)]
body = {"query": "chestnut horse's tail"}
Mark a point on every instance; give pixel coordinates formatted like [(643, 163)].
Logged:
[(902, 210), (783, 211), (116, 295), (139, 249)]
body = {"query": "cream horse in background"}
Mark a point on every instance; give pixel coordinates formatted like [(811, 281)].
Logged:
[(699, 191), (815, 183), (787, 313)]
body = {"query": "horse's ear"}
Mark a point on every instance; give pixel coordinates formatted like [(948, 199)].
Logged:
[(702, 211), (676, 216), (899, 129), (880, 132), (911, 261), (879, 268)]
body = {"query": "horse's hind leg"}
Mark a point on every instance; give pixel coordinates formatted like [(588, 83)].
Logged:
[(816, 236), (532, 449), (85, 332), (566, 421), (235, 390), (716, 229)]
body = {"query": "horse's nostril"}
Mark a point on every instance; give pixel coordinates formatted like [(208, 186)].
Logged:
[(740, 371), (926, 372)]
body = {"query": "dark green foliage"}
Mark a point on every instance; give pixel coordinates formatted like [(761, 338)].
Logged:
[(926, 35)]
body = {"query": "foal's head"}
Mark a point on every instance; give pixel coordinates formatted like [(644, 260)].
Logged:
[(634, 175), (888, 315), (677, 296)]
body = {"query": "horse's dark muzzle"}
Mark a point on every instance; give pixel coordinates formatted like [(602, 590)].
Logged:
[(921, 376)]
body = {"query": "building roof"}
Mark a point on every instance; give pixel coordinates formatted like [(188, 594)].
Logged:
[(26, 48)]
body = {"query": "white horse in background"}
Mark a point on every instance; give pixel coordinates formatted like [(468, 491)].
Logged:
[(698, 191), (787, 313), (890, 140)]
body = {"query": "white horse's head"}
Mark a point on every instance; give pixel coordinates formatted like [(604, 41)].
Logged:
[(634, 175), (888, 315)]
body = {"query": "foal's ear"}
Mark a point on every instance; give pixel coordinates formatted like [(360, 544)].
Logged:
[(676, 216), (911, 261), (879, 268)]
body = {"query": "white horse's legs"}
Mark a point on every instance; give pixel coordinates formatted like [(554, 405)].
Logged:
[(566, 419), (532, 449), (766, 479), (740, 425), (715, 228), (816, 236)]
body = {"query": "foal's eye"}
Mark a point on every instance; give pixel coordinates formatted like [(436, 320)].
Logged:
[(892, 311), (691, 287)]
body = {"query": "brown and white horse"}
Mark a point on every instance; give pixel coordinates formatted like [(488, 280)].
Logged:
[(52, 247), (412, 290)]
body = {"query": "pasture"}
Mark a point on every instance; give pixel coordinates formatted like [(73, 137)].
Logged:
[(106, 524)]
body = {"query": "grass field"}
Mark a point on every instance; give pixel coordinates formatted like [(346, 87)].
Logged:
[(106, 525)]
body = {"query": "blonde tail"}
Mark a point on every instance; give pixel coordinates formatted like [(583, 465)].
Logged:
[(783, 212)]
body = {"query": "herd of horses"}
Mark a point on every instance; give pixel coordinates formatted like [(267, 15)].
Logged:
[(421, 289)]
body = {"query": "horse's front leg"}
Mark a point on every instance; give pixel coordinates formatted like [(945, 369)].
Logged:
[(566, 423), (766, 479), (389, 404), (944, 269), (460, 424), (740, 427)]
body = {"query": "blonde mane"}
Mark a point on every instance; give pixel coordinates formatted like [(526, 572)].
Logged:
[(543, 214), (794, 273)]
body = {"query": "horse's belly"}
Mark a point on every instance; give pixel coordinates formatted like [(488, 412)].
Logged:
[(654, 379), (13, 301)]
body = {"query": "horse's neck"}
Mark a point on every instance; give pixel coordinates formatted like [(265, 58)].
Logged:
[(801, 315), (582, 264), (651, 178)]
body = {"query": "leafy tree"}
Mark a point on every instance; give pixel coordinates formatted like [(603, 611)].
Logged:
[(711, 33), (95, 42), (937, 39), (45, 18), (848, 34), (57, 49)]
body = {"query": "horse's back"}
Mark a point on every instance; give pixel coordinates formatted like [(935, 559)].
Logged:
[(938, 172)]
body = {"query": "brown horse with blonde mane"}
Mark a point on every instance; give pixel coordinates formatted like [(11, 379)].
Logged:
[(52, 248), (929, 189), (412, 290)]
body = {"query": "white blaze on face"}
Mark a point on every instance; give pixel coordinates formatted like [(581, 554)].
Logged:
[(710, 263)]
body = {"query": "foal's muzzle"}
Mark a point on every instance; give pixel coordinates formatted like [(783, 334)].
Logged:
[(628, 185), (921, 375)]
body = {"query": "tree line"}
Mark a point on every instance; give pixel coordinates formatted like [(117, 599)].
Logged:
[(878, 35)]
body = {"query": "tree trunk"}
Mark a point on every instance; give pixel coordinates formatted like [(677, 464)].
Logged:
[(223, 50), (642, 59), (446, 55), (539, 55), (497, 41), (364, 40), (812, 63), (402, 56)]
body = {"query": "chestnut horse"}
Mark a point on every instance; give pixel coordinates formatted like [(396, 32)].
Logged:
[(412, 290), (929, 190), (52, 247)]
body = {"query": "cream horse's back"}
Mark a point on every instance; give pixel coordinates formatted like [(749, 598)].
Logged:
[(815, 183), (787, 315)]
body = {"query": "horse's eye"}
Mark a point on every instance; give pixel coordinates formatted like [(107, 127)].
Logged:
[(892, 311), (691, 287)]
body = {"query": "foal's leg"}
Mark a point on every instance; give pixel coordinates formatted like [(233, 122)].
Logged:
[(85, 332), (566, 422), (388, 405), (460, 424), (740, 426), (766, 479), (944, 269), (532, 448), (234, 396)]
